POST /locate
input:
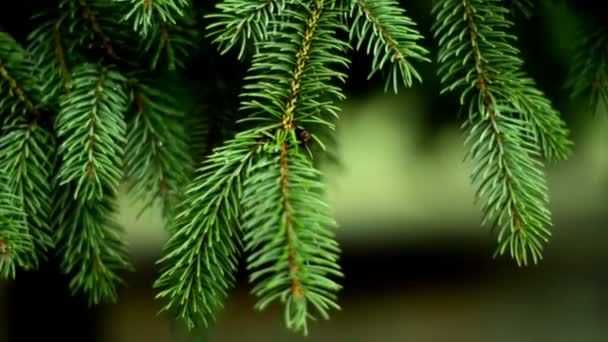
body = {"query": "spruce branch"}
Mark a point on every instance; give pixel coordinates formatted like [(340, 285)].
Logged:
[(391, 38), (200, 257), (588, 75), (47, 45), (15, 239), (498, 64), (238, 23), (293, 254), (19, 94), (157, 153), (509, 121), (92, 128), (25, 147), (90, 243), (146, 14), (26, 152)]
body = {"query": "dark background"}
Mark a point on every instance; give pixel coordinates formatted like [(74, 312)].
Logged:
[(418, 265)]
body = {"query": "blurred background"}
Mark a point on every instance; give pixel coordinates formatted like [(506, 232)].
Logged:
[(418, 264)]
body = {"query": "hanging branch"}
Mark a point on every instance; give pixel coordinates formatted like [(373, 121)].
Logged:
[(47, 45), (25, 146), (507, 123), (293, 254), (91, 126), (200, 257), (15, 81), (91, 244), (157, 154)]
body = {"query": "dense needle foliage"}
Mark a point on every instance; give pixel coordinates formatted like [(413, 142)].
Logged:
[(90, 100)]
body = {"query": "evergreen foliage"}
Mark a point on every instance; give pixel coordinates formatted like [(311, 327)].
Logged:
[(510, 124), (87, 104)]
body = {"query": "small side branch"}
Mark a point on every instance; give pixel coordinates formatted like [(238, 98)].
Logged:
[(21, 93)]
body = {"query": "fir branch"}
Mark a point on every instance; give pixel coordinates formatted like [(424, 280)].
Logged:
[(25, 147), (19, 95), (239, 22), (15, 239), (146, 14), (90, 243), (157, 154), (200, 257), (500, 67), (26, 152), (47, 45), (91, 124), (588, 75), (293, 255), (505, 113), (391, 38), (277, 188)]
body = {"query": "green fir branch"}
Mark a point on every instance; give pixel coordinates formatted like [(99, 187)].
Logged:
[(496, 62), (238, 23), (52, 59), (157, 154), (200, 257), (19, 94), (300, 90), (90, 243), (293, 254), (15, 239), (25, 146), (507, 123), (588, 76), (92, 128), (26, 153), (391, 38), (146, 14)]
